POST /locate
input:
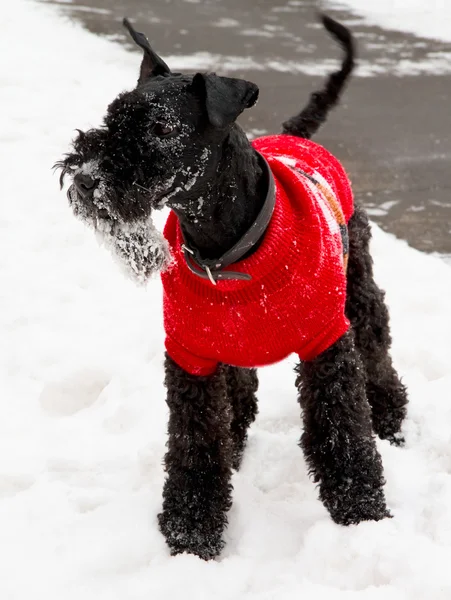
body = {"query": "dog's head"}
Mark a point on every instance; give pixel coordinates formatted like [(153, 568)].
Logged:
[(158, 144)]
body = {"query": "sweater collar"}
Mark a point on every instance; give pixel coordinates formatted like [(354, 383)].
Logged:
[(213, 269)]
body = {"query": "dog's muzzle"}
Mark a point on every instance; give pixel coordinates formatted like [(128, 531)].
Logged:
[(85, 185), (84, 208)]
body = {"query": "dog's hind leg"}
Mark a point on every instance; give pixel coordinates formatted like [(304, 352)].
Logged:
[(242, 385), (338, 442), (197, 491), (366, 309)]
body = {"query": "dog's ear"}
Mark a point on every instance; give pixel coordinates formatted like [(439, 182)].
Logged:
[(152, 64), (225, 98)]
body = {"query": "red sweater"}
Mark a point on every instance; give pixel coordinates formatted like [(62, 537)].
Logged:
[(295, 300)]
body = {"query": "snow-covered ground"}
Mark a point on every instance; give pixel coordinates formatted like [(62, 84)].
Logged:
[(425, 18), (82, 410)]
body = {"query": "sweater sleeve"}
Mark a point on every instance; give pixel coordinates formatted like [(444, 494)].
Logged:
[(195, 365)]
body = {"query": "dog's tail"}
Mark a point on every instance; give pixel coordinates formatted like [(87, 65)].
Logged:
[(308, 121)]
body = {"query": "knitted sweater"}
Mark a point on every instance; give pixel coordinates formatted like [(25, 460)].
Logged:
[(295, 300)]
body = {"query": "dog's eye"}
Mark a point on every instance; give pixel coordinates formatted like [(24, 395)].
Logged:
[(164, 130)]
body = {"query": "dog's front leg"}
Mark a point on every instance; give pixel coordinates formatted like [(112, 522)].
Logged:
[(338, 441), (197, 491)]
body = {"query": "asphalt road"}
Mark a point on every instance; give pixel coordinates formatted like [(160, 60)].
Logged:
[(393, 128)]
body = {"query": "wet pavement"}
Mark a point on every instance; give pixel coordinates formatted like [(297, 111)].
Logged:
[(393, 128)]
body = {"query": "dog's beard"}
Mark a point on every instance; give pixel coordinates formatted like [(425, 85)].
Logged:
[(138, 247)]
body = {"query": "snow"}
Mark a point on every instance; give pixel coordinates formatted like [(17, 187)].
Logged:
[(436, 63), (82, 411), (425, 19)]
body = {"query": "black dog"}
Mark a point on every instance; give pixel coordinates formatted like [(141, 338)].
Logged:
[(173, 140)]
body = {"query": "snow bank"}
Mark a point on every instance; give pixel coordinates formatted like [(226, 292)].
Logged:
[(429, 19), (82, 411)]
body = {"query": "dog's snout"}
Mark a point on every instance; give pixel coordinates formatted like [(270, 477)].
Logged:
[(85, 184)]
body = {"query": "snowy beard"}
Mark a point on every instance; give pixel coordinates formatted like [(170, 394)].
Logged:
[(138, 247)]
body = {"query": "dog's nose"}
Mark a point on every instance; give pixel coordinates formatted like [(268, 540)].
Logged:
[(85, 184)]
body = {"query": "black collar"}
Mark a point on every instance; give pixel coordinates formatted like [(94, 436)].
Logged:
[(212, 269)]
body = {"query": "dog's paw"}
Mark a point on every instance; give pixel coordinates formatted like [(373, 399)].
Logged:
[(395, 439), (356, 506), (353, 515), (388, 428), (189, 535)]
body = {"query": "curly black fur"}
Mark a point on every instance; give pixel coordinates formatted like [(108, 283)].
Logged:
[(208, 423), (366, 309), (308, 121), (197, 491), (338, 441), (242, 385)]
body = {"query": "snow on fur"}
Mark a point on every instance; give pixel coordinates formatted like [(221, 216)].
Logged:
[(140, 249), (82, 411)]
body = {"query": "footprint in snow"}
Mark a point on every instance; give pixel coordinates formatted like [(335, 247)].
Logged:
[(74, 393), (11, 484)]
